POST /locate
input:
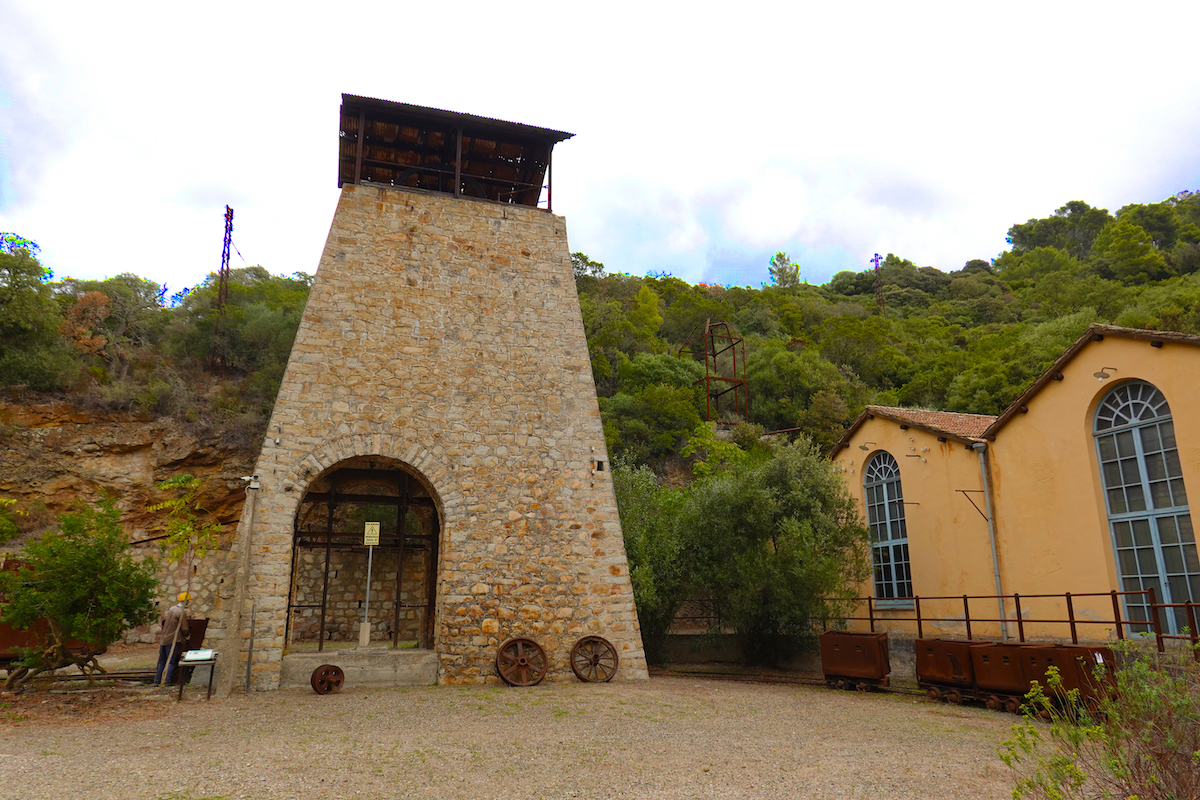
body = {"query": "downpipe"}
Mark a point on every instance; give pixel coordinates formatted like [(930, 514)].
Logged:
[(985, 477)]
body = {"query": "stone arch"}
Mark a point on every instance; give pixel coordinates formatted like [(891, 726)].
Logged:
[(431, 466), (403, 605)]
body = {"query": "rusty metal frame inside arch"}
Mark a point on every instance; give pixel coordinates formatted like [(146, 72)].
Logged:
[(330, 539)]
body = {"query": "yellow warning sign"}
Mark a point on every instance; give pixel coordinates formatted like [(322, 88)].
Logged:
[(371, 535)]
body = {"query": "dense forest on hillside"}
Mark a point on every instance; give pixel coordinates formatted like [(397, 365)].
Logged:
[(966, 340)]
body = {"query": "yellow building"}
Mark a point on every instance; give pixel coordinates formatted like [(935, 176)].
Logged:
[(1081, 486)]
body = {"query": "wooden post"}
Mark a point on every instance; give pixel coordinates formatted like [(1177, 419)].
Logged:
[(358, 147)]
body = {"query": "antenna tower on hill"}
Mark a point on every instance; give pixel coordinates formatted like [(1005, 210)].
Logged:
[(216, 358), (878, 281)]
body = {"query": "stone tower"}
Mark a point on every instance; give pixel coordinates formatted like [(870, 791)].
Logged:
[(440, 388)]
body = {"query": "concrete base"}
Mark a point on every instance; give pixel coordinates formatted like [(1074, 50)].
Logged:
[(378, 667)]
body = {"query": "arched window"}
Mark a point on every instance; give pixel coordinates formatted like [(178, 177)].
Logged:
[(889, 535), (1147, 505)]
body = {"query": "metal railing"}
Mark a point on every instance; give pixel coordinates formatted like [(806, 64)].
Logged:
[(1119, 622)]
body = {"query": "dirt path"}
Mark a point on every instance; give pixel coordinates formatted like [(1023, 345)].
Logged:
[(668, 738)]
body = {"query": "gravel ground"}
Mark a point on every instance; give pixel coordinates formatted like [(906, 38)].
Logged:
[(666, 738)]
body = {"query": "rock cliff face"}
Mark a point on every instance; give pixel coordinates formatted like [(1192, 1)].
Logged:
[(53, 454)]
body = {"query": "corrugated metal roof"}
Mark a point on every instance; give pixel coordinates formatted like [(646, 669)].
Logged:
[(441, 114), (430, 149)]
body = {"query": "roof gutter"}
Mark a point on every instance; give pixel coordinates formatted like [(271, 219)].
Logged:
[(985, 476)]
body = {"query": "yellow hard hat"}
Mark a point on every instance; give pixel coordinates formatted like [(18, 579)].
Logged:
[(184, 596)]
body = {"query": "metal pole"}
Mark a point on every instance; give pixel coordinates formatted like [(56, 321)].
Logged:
[(980, 449), (250, 652), (920, 630), (1191, 613), (367, 604), (1117, 615), (233, 629), (1020, 621), (1071, 619), (1155, 621)]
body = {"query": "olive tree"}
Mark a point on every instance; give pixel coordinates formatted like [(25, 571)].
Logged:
[(81, 586), (773, 541), (776, 546)]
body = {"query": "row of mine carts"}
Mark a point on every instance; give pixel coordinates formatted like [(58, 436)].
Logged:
[(997, 674)]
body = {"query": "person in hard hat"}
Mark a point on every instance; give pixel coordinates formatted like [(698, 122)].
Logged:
[(172, 639)]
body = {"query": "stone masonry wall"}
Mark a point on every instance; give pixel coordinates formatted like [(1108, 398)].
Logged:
[(347, 592), (445, 334)]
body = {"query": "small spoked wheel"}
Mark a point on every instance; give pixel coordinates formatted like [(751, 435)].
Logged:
[(933, 693), (521, 662), (327, 679), (594, 659)]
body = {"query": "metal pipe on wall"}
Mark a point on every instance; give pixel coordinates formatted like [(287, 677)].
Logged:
[(233, 624), (985, 476)]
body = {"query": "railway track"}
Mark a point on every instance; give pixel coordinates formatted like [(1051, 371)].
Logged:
[(768, 677)]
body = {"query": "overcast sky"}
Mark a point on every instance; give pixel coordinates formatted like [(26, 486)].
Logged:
[(709, 136)]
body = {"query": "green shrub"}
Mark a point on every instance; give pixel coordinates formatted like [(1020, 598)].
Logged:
[(1142, 741), (82, 579)]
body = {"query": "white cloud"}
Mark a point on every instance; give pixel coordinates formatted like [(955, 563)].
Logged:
[(708, 137)]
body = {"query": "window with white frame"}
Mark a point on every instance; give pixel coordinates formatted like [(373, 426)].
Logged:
[(1148, 514), (889, 534)]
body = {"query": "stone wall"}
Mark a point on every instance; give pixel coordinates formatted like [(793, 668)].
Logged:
[(347, 594), (444, 335), (54, 454)]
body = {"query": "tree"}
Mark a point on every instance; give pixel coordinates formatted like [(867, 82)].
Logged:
[(1037, 263), (584, 267), (83, 581), (777, 546), (191, 530), (1073, 228), (648, 369), (784, 273), (11, 243), (1125, 252), (1158, 220), (784, 385), (657, 562), (33, 353), (651, 423), (131, 319)]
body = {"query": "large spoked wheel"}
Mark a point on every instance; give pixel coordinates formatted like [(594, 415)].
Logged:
[(327, 679), (594, 659), (521, 662)]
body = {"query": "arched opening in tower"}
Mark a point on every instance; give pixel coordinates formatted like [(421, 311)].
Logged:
[(357, 502)]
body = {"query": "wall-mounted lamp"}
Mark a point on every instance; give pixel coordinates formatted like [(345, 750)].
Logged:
[(1102, 375), (865, 446)]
